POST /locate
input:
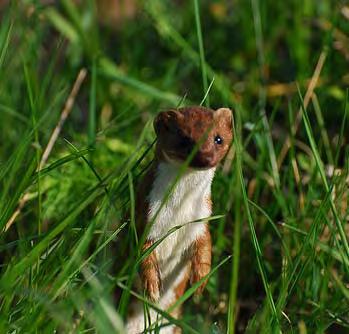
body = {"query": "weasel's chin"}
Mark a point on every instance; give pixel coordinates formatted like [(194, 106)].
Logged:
[(171, 160), (178, 162)]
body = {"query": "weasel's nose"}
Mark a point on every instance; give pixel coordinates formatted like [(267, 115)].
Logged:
[(204, 160), (207, 159)]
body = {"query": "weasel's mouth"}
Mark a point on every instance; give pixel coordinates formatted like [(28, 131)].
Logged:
[(178, 161)]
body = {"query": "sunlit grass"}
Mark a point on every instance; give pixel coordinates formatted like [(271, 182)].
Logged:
[(68, 255)]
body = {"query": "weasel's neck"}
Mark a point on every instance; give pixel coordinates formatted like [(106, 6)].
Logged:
[(171, 174), (189, 199)]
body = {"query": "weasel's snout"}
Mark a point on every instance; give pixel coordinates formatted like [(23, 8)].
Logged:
[(205, 157), (204, 160)]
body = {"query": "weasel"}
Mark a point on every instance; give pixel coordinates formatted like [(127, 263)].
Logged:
[(184, 255)]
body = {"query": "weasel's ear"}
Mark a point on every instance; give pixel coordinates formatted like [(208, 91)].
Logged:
[(166, 119), (224, 115)]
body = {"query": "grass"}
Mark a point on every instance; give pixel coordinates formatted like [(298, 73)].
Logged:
[(280, 224)]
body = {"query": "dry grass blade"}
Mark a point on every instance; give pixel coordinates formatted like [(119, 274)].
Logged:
[(64, 115), (312, 84)]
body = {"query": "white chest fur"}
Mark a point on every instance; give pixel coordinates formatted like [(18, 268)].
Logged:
[(188, 201)]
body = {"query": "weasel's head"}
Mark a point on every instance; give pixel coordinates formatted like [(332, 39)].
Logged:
[(180, 131)]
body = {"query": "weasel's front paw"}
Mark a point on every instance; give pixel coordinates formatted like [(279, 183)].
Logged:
[(152, 285), (199, 271)]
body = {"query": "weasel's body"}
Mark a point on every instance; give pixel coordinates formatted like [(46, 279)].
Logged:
[(186, 253), (188, 202)]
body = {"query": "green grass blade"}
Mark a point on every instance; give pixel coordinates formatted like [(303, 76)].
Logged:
[(321, 170), (254, 238), (92, 108), (201, 52), (109, 69)]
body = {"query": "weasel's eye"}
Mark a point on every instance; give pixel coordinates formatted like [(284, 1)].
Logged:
[(218, 140)]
